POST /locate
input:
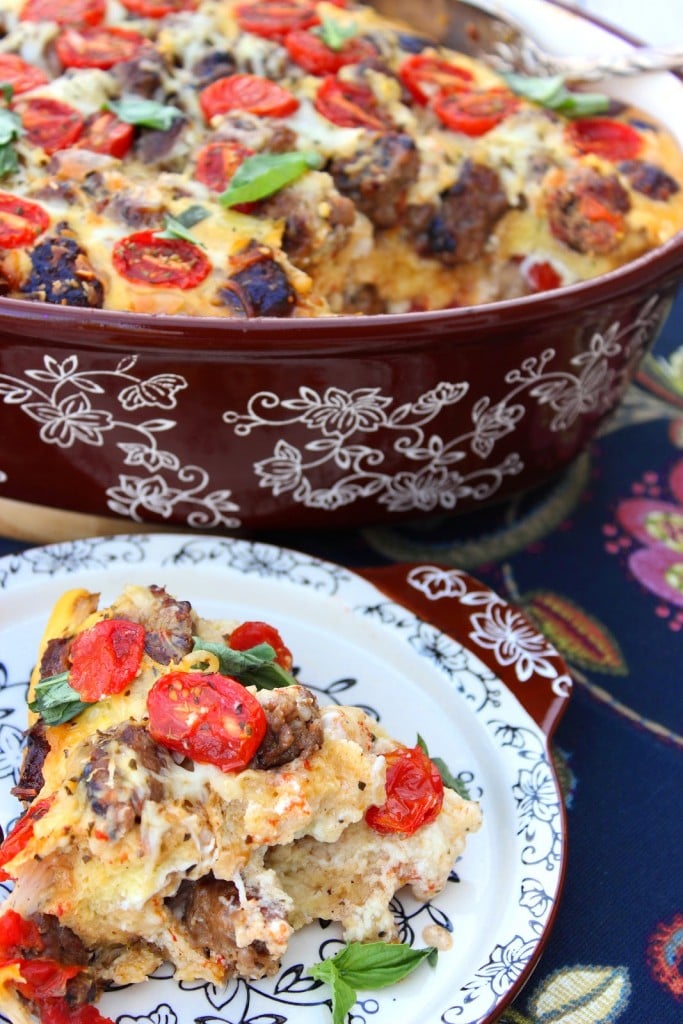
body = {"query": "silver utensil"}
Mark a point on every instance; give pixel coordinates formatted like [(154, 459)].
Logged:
[(486, 30)]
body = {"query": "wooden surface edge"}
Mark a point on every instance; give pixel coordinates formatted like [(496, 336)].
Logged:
[(39, 524)]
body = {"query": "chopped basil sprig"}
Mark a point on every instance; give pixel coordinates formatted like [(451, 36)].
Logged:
[(265, 173), (144, 113), (253, 667), (10, 131), (178, 227), (551, 92), (366, 966), (449, 780), (334, 34), (56, 701)]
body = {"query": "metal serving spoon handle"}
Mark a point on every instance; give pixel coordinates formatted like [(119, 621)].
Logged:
[(484, 29), (525, 56)]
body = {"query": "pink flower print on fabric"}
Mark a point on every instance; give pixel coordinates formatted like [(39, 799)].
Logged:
[(657, 525)]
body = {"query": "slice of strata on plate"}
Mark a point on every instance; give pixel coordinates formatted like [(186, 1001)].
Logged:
[(187, 801)]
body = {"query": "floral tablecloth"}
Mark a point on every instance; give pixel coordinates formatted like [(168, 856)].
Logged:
[(596, 560)]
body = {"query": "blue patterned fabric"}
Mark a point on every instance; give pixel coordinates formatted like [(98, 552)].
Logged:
[(596, 561)]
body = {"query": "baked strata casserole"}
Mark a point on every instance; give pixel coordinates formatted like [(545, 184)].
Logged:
[(188, 801), (244, 158)]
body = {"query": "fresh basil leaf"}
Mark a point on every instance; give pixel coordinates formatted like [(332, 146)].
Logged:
[(343, 995), (253, 667), (192, 215), (174, 228), (538, 89), (584, 104), (367, 965), (449, 780), (144, 113), (9, 162), (552, 93), (334, 34), (7, 90), (265, 173), (178, 227), (56, 701), (10, 126)]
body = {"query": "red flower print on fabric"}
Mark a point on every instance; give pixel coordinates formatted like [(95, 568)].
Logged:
[(665, 956)]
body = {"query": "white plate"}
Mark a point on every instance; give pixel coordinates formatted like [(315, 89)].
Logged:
[(355, 644)]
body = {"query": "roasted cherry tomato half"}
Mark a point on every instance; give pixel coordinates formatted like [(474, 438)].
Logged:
[(474, 113), (350, 105), (158, 8), (603, 225), (147, 258), (217, 162), (49, 123), (59, 1011), (105, 658), (104, 133), (426, 76), (250, 634), (18, 73), (43, 978), (100, 46), (541, 276), (595, 210), (210, 718), (414, 793), (252, 93), (15, 840), (587, 214), (605, 137), (65, 12), (313, 54), (273, 19), (21, 221), (18, 935)]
